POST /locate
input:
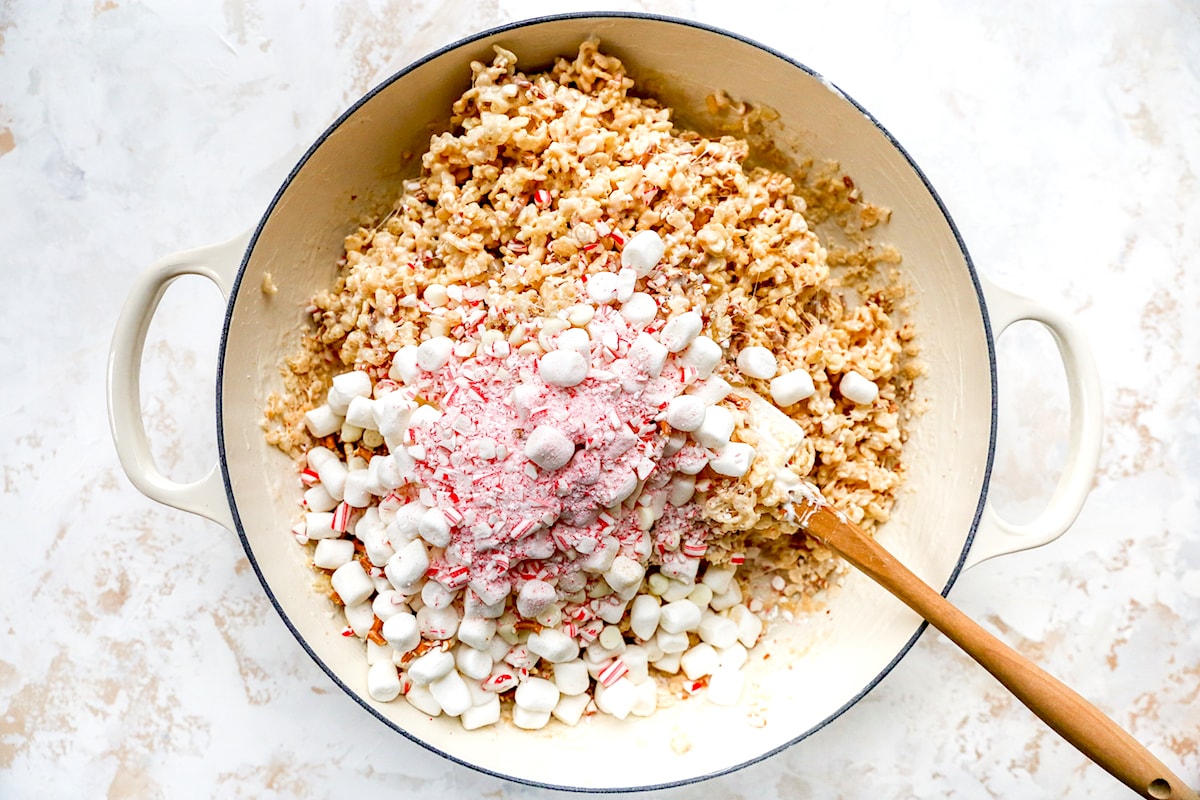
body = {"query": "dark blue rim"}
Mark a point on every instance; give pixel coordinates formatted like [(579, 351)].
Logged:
[(469, 40)]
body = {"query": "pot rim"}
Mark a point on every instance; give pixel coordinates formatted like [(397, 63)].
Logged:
[(516, 25)]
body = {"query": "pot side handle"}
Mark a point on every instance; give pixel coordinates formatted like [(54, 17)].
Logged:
[(218, 263), (997, 536)]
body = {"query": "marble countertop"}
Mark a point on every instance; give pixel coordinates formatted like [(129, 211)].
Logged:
[(138, 655)]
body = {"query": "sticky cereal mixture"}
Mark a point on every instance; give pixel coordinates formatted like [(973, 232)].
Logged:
[(525, 474)]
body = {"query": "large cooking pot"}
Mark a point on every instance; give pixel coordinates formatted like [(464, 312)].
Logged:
[(819, 666)]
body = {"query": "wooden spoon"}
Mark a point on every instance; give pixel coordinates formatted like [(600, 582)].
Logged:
[(1074, 718)]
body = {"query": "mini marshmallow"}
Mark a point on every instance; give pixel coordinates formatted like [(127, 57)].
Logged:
[(536, 694), (346, 386), (681, 331), (792, 387), (644, 615), (534, 598), (322, 421), (481, 715), (685, 412), (602, 287), (423, 416), (702, 355), (727, 599), (626, 283), (553, 646), (678, 617), (718, 578), (388, 604), (733, 656), (391, 414), (383, 681), (646, 702), (435, 295), (571, 677), (332, 473), (434, 528), (575, 339), (434, 353), (681, 489), (757, 362), (434, 595), (563, 368), (640, 309), (386, 471), (360, 618), (437, 623), (401, 632), (405, 523), (725, 686), (420, 698), (715, 430), (570, 708), (643, 252), (529, 720), (618, 699), (549, 448), (749, 625), (648, 355), (404, 365), (472, 663), (857, 389), (317, 498), (668, 663), (476, 631), (720, 632), (637, 661), (356, 490), (451, 692), (319, 525), (361, 413), (333, 553), (581, 314), (624, 574), (734, 460), (408, 564), (699, 661), (352, 583), (713, 390)]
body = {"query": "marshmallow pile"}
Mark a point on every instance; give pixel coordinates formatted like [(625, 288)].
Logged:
[(501, 505)]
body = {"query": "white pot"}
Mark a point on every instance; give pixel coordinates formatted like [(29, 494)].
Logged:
[(818, 667)]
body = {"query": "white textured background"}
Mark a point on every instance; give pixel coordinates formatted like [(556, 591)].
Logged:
[(138, 655)]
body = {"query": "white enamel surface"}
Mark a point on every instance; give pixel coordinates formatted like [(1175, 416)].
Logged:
[(164, 127)]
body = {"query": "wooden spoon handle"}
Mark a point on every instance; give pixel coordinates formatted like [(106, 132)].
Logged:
[(1075, 719)]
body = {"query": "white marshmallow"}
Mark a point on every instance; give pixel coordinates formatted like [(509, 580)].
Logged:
[(434, 527), (481, 715), (643, 252), (529, 720), (408, 565), (420, 698), (715, 430), (322, 421), (792, 387), (618, 699), (388, 604), (472, 663), (668, 662), (352, 584), (383, 681), (333, 473), (576, 340), (549, 448), (646, 702), (685, 412), (534, 598), (319, 525), (725, 686), (434, 595), (640, 309), (679, 617), (733, 656), (749, 625), (356, 490), (720, 632), (404, 365), (637, 661), (648, 355), (624, 574), (386, 471), (626, 283), (346, 386), (361, 413), (713, 390), (333, 553), (644, 615), (553, 646), (570, 708), (476, 631), (571, 677), (581, 314), (734, 460), (536, 694), (681, 489), (563, 368), (681, 331), (452, 693), (727, 599), (437, 623), (702, 355), (434, 353), (602, 287), (435, 295), (429, 667), (757, 362), (360, 618), (857, 389), (718, 578), (405, 525), (392, 412), (317, 498), (699, 661), (401, 632)]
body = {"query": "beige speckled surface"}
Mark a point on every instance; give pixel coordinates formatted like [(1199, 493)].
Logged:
[(138, 656)]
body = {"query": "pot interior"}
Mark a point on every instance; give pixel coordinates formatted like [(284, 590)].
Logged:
[(816, 667)]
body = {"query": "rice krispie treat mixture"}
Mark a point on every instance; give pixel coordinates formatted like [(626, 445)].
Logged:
[(516, 413)]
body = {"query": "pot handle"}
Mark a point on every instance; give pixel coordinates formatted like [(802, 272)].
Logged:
[(997, 536), (206, 497)]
